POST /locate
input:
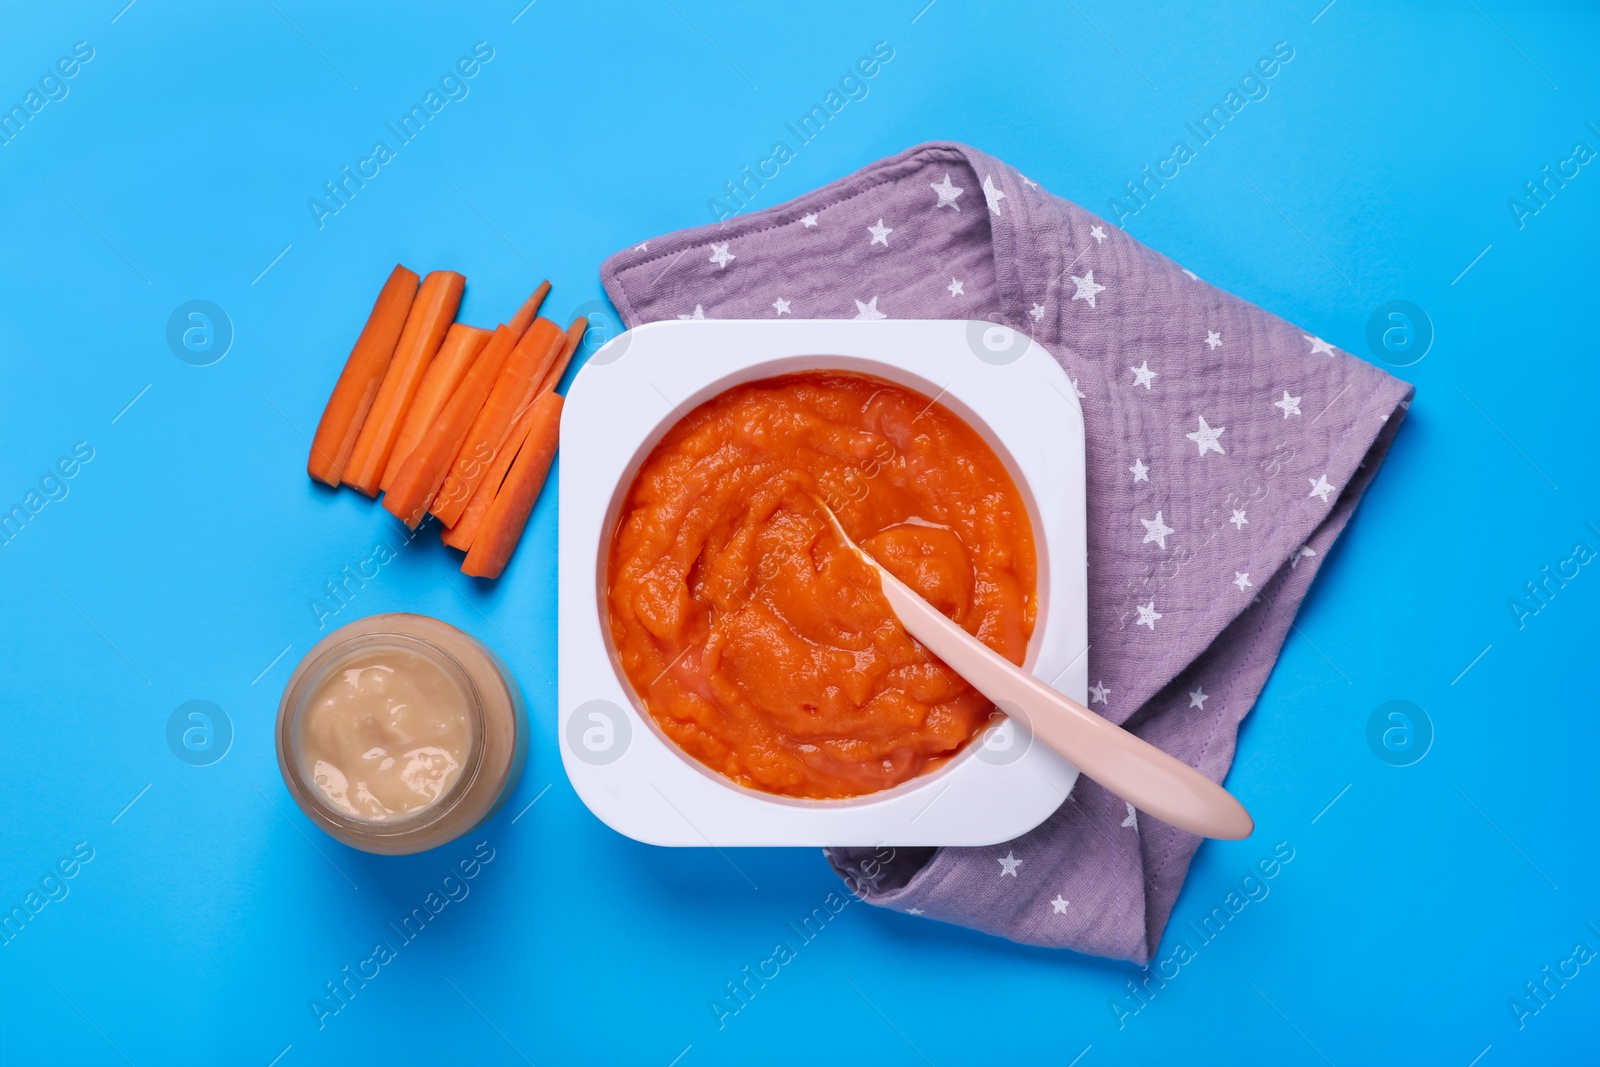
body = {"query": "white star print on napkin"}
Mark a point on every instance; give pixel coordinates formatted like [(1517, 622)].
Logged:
[(947, 193), (1156, 530), (869, 310), (1087, 289), (1207, 437)]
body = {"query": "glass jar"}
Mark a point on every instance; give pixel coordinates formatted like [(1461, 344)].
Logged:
[(489, 757)]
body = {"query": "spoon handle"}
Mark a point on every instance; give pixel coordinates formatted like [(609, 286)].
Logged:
[(1123, 763)]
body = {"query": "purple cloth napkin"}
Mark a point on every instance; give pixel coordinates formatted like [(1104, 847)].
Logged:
[(1227, 449)]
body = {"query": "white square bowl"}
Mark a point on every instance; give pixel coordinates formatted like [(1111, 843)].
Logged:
[(625, 399)]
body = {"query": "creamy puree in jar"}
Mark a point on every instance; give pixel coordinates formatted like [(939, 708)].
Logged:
[(385, 735), (758, 642)]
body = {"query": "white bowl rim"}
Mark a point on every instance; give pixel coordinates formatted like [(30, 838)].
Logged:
[(619, 406)]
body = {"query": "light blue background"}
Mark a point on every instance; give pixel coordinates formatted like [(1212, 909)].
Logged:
[(182, 560)]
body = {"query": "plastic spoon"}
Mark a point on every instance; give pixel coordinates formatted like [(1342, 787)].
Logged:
[(1123, 763)]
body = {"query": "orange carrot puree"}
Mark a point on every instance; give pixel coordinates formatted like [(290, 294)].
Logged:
[(756, 640)]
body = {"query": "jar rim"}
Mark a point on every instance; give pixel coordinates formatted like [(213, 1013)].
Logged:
[(310, 680)]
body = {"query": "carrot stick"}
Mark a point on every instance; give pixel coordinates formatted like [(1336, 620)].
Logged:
[(529, 309), (461, 346), (461, 534), (423, 471), (557, 369), (359, 381), (430, 316), (502, 527), (466, 528), (518, 382)]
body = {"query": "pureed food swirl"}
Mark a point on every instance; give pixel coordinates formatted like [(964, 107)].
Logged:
[(757, 641)]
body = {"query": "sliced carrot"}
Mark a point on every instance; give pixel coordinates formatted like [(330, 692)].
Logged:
[(460, 347), (423, 471), (431, 314), (466, 528), (360, 380), (502, 527), (461, 534), (529, 309), (559, 367), (518, 382)]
